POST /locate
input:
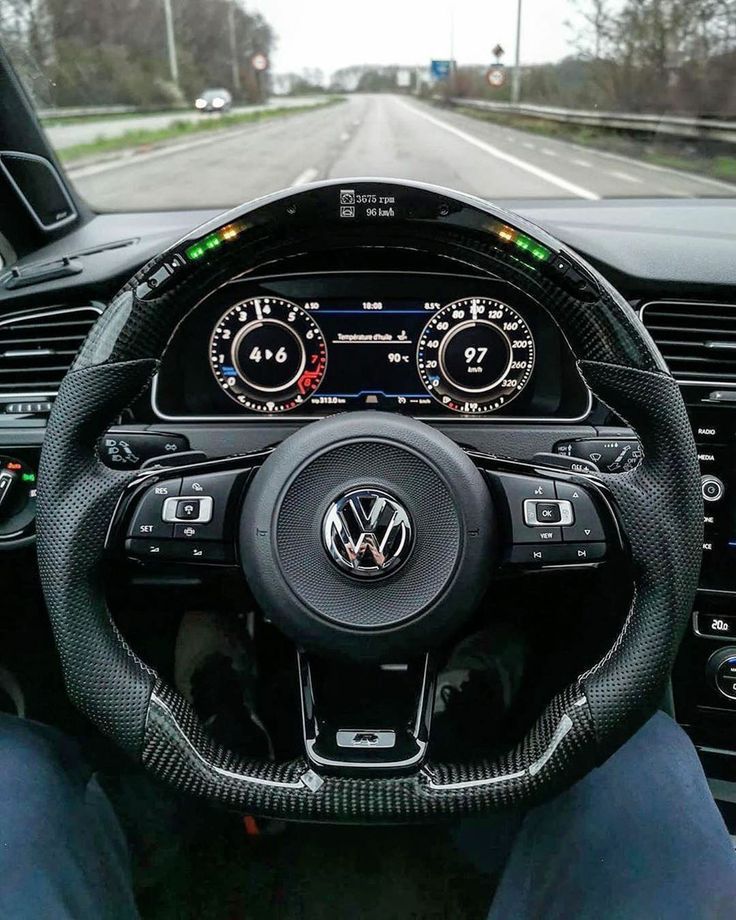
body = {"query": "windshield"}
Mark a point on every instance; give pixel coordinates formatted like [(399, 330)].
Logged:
[(156, 104)]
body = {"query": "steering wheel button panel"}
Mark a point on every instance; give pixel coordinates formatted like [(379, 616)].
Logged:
[(558, 554)]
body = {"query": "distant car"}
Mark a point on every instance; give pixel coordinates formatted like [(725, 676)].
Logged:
[(214, 100)]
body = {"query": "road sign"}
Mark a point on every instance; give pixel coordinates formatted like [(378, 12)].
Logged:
[(440, 70), (259, 61), (496, 77), (403, 77), (498, 52)]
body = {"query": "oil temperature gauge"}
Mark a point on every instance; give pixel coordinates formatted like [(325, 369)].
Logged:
[(475, 355)]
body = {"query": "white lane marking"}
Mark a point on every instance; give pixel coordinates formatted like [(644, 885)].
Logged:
[(345, 136), (582, 163), (643, 164), (308, 175), (502, 155), (548, 151), (528, 145), (627, 177)]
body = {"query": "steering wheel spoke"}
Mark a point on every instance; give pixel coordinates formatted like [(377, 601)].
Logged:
[(369, 717), (549, 518), (184, 514)]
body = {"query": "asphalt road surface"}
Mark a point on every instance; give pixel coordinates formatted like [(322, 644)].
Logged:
[(375, 136)]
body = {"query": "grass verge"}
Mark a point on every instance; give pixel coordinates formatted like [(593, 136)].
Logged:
[(143, 137), (683, 155)]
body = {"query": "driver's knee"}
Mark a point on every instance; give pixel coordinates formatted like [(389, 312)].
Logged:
[(42, 773), (659, 748)]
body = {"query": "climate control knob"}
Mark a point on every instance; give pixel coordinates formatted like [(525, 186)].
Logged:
[(721, 671)]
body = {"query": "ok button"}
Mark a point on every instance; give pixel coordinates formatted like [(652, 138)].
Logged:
[(538, 513), (548, 513)]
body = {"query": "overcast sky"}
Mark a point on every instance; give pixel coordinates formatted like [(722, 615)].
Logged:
[(330, 34)]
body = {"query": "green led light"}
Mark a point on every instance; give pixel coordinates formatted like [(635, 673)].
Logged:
[(195, 251), (541, 252), (523, 242), (29, 477), (211, 242)]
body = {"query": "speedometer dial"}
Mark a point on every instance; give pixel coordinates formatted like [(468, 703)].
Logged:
[(475, 355), (268, 354)]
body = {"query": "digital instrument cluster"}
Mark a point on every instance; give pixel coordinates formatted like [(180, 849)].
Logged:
[(472, 356), (426, 345)]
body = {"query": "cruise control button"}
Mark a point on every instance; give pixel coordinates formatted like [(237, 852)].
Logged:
[(587, 526), (189, 508), (188, 531), (154, 550), (180, 551), (214, 490), (147, 520), (201, 552)]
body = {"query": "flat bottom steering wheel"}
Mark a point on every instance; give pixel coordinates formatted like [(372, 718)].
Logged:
[(369, 537)]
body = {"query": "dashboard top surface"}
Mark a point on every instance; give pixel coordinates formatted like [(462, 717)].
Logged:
[(647, 246)]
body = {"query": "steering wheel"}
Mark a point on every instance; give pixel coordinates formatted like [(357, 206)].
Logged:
[(369, 536)]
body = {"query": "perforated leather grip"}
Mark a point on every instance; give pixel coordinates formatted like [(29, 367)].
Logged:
[(659, 505)]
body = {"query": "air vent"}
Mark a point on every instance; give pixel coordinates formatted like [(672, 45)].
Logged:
[(37, 348), (697, 340)]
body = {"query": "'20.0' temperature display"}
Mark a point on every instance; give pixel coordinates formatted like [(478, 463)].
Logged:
[(268, 354), (475, 355)]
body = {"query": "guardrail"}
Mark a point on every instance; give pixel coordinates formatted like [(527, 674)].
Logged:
[(92, 110), (672, 125)]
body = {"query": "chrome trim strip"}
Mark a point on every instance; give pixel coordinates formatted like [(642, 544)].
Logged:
[(228, 774), (713, 750), (563, 728)]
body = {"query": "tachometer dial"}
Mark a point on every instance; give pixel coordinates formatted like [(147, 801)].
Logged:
[(475, 355), (268, 354)]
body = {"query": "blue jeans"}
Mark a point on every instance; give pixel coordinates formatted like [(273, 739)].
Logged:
[(638, 839)]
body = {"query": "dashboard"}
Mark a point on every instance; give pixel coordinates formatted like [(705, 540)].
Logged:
[(426, 344)]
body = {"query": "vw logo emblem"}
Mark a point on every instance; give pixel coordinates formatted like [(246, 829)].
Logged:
[(367, 533)]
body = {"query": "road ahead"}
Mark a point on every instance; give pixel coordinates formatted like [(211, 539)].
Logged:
[(375, 136)]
